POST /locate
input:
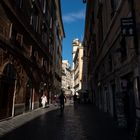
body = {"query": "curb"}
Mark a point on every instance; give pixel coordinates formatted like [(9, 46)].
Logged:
[(11, 123)]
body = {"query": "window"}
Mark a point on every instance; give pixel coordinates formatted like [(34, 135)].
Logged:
[(34, 19), (100, 24), (18, 3), (36, 55), (110, 62), (114, 6), (45, 64), (9, 71), (123, 49), (37, 23), (44, 6), (19, 39), (1, 56), (30, 50), (100, 31), (31, 20), (33, 55), (51, 24), (137, 91)]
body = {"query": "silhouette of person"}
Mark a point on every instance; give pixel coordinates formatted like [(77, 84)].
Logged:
[(75, 99), (62, 100)]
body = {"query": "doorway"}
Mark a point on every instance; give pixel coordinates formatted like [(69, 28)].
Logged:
[(7, 86), (129, 102)]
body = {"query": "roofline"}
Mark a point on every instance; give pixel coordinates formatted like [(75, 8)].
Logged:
[(59, 5)]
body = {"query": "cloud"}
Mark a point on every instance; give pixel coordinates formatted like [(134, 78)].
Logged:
[(74, 16)]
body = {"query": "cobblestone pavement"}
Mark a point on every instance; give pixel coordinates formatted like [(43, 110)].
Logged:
[(84, 122)]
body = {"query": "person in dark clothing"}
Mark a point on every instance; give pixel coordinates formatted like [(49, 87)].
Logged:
[(75, 100), (62, 100)]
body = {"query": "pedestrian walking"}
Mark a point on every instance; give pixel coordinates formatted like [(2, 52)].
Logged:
[(75, 100), (43, 100), (62, 100)]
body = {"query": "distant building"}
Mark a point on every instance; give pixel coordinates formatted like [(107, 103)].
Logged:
[(66, 77), (77, 68)]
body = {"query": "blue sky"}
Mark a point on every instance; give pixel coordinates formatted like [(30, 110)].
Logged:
[(73, 16)]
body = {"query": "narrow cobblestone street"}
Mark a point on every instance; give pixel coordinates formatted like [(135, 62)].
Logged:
[(82, 123)]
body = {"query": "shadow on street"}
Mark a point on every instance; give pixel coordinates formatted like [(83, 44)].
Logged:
[(83, 123)]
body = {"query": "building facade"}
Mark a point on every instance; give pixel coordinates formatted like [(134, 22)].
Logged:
[(112, 33), (77, 65), (57, 51), (66, 78), (26, 53), (84, 92)]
